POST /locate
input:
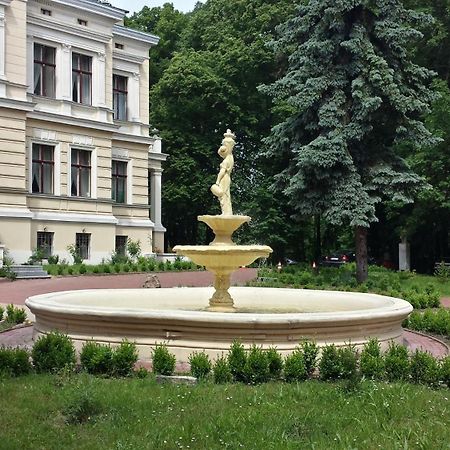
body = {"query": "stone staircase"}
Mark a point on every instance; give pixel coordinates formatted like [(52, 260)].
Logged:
[(28, 272)]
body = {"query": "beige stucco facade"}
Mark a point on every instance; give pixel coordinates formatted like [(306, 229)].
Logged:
[(66, 128)]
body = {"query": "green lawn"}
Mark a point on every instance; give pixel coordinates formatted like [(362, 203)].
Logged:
[(140, 414)]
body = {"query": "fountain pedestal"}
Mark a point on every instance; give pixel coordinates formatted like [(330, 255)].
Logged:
[(222, 257)]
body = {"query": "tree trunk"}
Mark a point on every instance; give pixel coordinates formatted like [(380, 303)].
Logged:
[(361, 254), (317, 239)]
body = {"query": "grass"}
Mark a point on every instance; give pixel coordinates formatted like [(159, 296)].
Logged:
[(83, 412)]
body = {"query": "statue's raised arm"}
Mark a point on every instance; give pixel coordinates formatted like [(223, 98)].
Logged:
[(221, 189)]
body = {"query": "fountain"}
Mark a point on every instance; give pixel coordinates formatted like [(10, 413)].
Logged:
[(193, 319)]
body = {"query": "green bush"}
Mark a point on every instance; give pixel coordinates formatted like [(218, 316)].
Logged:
[(295, 367), (310, 352), (432, 321), (236, 361), (161, 266), (95, 269), (256, 369), (163, 361), (221, 371), (200, 364), (117, 268), (396, 363), (124, 358), (53, 259), (15, 315), (151, 264), (96, 358), (71, 270), (372, 362), (60, 270), (2, 311), (126, 268), (444, 370), (348, 359), (82, 269), (424, 369), (329, 366), (14, 361), (53, 352), (106, 268), (275, 363), (83, 406)]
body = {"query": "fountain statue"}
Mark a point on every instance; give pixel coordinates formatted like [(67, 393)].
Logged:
[(222, 256), (191, 319)]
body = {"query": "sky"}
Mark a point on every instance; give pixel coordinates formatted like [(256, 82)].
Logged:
[(137, 5)]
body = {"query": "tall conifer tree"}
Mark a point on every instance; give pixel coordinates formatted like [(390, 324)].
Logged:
[(350, 93)]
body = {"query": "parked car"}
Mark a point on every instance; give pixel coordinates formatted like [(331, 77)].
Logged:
[(338, 258)]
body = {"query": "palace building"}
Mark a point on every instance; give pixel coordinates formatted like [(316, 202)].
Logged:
[(78, 163)]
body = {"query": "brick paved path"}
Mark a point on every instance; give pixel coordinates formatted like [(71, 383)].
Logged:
[(18, 291)]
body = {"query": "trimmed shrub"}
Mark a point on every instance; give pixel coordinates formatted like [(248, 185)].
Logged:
[(424, 369), (151, 264), (200, 364), (141, 373), (256, 369), (444, 371), (275, 362), (236, 360), (106, 268), (82, 269), (96, 358), (124, 358), (372, 362), (162, 360), (221, 371), (53, 352), (295, 367), (348, 359), (117, 268), (15, 315), (60, 270), (396, 363), (310, 352), (2, 311), (14, 361), (95, 269), (329, 366), (126, 268)]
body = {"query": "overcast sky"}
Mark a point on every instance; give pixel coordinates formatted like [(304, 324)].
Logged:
[(137, 5)]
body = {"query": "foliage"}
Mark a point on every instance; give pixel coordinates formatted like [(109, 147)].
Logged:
[(396, 363), (310, 352), (75, 253), (256, 369), (124, 358), (430, 321), (163, 362), (221, 371), (2, 311), (237, 359), (53, 352), (96, 358), (371, 361), (200, 364), (442, 272), (338, 363), (349, 94), (275, 362), (83, 405), (14, 361), (134, 248), (37, 255), (445, 370), (294, 366), (424, 368), (15, 315), (53, 259)]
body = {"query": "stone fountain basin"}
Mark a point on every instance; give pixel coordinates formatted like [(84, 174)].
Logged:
[(223, 256), (177, 317)]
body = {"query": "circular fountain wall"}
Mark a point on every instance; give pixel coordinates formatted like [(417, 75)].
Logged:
[(178, 317)]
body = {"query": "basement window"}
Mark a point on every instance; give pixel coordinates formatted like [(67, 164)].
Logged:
[(119, 46), (82, 22), (46, 12)]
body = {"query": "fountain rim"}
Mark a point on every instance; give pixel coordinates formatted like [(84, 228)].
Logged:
[(47, 304)]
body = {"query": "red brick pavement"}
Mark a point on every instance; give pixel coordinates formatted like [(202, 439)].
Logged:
[(18, 291), (445, 302)]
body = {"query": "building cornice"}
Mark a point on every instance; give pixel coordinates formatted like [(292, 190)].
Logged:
[(128, 57), (120, 30), (64, 27), (94, 7), (124, 137), (75, 122), (16, 104), (73, 217), (157, 156)]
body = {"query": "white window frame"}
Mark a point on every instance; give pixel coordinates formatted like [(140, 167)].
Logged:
[(56, 165), (93, 151)]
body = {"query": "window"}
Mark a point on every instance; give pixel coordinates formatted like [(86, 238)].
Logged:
[(45, 243), (82, 243), (121, 245), (82, 22), (120, 97), (119, 46), (81, 79), (80, 183), (46, 12), (44, 70), (119, 181), (42, 169)]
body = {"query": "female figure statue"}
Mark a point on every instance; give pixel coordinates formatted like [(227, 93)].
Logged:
[(221, 189)]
